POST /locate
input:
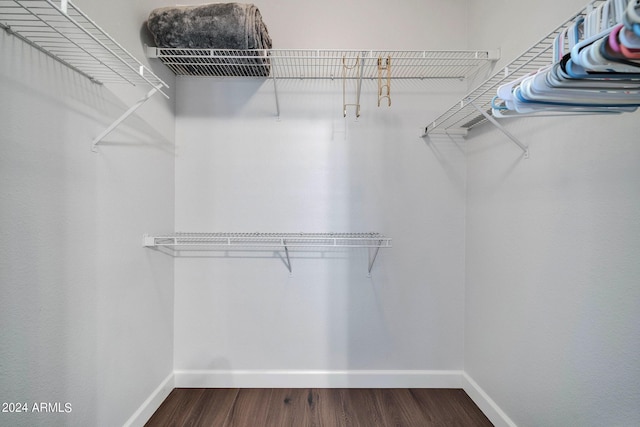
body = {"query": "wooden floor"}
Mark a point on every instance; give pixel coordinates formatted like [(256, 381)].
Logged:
[(318, 407)]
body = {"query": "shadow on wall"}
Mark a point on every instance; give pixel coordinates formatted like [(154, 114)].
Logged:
[(442, 147), (220, 100), (133, 132), (286, 259), (52, 82), (48, 306)]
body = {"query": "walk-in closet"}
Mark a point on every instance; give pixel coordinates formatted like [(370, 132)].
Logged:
[(430, 200)]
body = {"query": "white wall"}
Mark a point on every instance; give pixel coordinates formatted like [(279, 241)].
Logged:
[(86, 312), (238, 169), (549, 329), (552, 254)]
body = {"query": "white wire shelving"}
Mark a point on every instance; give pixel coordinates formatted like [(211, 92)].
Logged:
[(277, 241), (325, 64), (62, 31), (475, 108), (321, 63)]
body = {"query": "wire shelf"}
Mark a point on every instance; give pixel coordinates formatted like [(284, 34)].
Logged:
[(65, 33), (268, 240), (176, 242), (463, 115), (321, 64)]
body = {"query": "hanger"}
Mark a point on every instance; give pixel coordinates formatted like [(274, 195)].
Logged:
[(612, 51), (627, 36), (505, 91), (593, 70), (598, 24), (384, 89), (632, 11)]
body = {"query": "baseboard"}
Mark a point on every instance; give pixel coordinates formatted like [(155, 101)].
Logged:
[(317, 379), (496, 415), (153, 402), (320, 379)]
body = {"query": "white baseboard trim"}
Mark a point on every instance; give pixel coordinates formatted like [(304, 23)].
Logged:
[(485, 403), (153, 402), (320, 379), (317, 379)]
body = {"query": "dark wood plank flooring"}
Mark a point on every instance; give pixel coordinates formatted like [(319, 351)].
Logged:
[(300, 407)]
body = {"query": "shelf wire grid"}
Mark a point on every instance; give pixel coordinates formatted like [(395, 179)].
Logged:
[(320, 64), (65, 33), (463, 115), (266, 240)]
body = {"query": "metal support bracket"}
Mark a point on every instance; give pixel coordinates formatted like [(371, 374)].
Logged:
[(448, 132), (123, 117), (372, 258), (286, 251), (523, 147), (275, 90)]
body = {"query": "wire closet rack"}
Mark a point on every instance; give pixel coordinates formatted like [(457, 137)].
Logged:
[(278, 241), (475, 108), (63, 32), (321, 63)]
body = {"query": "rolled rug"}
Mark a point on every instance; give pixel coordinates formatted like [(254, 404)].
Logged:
[(235, 26)]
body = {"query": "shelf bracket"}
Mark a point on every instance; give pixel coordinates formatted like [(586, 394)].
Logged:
[(372, 257), (286, 251), (523, 147), (148, 241), (123, 117), (275, 90)]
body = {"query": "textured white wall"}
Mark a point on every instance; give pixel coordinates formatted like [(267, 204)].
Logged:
[(552, 255), (361, 24), (238, 169), (86, 312)]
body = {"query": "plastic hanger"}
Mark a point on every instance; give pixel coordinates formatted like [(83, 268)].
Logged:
[(599, 57), (574, 32), (614, 38), (536, 89), (618, 61), (550, 110), (629, 53), (632, 11), (629, 39), (598, 25), (618, 9), (505, 91), (598, 75), (612, 51)]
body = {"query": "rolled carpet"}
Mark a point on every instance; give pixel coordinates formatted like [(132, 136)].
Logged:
[(234, 26)]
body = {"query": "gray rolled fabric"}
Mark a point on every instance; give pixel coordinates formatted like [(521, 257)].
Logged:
[(235, 26)]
